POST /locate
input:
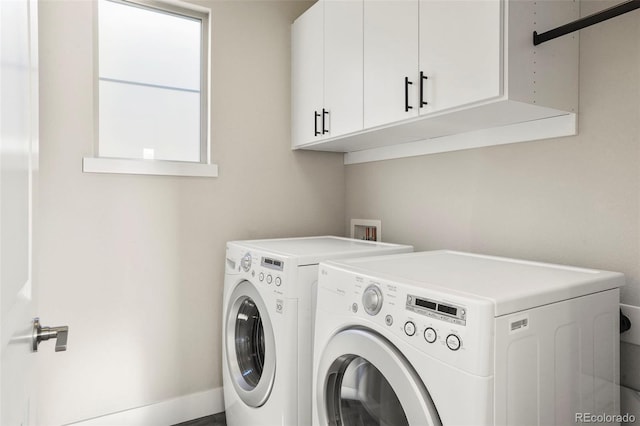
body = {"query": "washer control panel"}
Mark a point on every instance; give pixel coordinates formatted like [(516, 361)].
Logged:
[(423, 320), (267, 270), (450, 327)]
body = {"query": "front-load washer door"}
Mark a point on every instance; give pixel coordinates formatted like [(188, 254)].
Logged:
[(250, 345), (364, 380)]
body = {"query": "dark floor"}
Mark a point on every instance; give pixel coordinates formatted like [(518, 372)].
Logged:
[(215, 420)]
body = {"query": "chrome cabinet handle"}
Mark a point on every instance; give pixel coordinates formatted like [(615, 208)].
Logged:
[(41, 333)]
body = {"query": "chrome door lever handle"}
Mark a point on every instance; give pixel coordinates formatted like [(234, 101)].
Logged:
[(41, 333)]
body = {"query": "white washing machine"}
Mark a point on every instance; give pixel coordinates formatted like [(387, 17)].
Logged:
[(448, 338), (269, 293)]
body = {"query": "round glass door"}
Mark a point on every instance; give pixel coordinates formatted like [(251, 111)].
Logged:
[(249, 341), (364, 380), (250, 345), (363, 396)]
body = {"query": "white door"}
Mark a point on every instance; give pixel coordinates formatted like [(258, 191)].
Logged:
[(343, 96), (306, 76), (18, 163), (390, 61), (364, 379), (460, 52)]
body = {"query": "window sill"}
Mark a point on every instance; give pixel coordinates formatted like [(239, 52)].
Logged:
[(148, 167)]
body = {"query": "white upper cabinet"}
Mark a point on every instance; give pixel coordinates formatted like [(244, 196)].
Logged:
[(390, 61), (459, 53), (307, 47), (423, 56), (343, 95), (327, 71), (455, 74)]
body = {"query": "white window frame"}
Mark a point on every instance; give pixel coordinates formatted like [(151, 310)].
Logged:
[(204, 168)]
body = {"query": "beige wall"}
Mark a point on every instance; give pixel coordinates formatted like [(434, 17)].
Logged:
[(134, 264), (573, 200)]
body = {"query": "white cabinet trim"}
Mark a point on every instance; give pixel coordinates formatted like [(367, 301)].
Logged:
[(563, 125), (148, 167)]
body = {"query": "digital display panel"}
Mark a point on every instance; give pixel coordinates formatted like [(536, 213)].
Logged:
[(447, 309), (426, 304), (432, 308), (272, 263)]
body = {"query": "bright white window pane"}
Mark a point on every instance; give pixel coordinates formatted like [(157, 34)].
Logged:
[(147, 46), (147, 122)]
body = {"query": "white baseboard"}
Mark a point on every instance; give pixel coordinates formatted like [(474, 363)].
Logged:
[(164, 413), (633, 313)]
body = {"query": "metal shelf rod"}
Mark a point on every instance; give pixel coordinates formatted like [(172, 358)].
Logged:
[(587, 21)]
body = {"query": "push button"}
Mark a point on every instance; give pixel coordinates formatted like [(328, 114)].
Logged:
[(430, 335), (453, 342), (278, 281), (269, 279), (409, 328), (261, 276)]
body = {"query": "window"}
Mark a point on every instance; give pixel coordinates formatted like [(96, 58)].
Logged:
[(153, 103)]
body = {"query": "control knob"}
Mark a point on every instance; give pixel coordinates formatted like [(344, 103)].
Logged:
[(372, 300), (246, 262)]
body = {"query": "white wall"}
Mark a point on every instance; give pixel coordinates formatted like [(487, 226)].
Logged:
[(573, 200), (134, 264)]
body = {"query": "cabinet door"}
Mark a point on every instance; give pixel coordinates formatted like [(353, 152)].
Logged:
[(390, 56), (460, 52), (307, 75), (343, 76)]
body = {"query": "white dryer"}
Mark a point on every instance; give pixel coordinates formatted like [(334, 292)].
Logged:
[(269, 292), (449, 338)]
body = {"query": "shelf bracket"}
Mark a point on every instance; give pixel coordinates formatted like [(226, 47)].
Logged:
[(587, 21)]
